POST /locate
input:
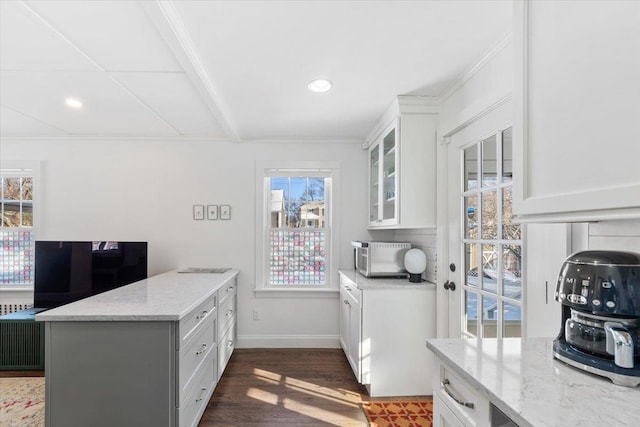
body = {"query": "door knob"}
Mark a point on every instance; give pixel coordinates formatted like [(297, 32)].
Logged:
[(450, 286)]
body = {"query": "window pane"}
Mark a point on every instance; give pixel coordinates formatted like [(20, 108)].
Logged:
[(512, 320), (512, 271), (297, 202), (489, 317), (16, 263), (471, 217), (489, 162), (471, 168), (507, 155), (471, 264), (489, 214), (510, 231), (490, 268), (297, 257), (471, 313)]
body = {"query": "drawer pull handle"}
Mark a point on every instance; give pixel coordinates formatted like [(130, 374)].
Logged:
[(204, 391), (204, 348), (229, 313), (445, 383), (202, 315)]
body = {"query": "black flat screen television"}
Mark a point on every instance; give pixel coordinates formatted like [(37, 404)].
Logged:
[(69, 271)]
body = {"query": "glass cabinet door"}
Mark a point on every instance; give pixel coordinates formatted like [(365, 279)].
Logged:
[(389, 175), (374, 179)]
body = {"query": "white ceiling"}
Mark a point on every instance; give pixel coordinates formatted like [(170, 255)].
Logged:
[(231, 70)]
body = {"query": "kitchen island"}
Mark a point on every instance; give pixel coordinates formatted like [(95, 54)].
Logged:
[(520, 377), (146, 354)]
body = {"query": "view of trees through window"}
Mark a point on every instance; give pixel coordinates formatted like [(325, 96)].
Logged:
[(16, 230), (298, 234)]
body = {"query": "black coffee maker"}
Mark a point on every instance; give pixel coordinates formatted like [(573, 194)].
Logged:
[(600, 296)]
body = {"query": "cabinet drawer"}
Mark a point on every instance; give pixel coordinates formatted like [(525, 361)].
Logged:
[(188, 326), (198, 393), (225, 348), (227, 290), (193, 354), (469, 406), (351, 289), (226, 313)]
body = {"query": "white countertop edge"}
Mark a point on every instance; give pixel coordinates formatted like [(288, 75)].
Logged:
[(62, 314), (362, 282), (473, 382)]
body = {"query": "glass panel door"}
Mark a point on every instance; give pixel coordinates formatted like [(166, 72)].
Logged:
[(374, 179), (389, 175), (491, 242)]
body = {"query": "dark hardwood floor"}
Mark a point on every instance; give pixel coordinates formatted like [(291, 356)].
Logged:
[(283, 387), (286, 387)]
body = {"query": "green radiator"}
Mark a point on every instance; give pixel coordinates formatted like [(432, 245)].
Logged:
[(21, 341)]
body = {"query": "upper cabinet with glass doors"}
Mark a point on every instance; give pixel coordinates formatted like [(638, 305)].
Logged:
[(402, 166), (577, 99)]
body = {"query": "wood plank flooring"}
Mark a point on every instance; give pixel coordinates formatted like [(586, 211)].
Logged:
[(288, 387), (283, 387)]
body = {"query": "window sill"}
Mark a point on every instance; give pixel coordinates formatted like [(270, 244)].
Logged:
[(296, 293), (16, 288)]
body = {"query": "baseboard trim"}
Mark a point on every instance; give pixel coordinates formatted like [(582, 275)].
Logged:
[(288, 341)]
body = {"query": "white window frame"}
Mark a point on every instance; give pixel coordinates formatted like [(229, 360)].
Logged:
[(332, 197), (30, 168)]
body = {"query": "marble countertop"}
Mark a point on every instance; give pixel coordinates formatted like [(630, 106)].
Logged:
[(521, 378), (362, 282), (168, 296)]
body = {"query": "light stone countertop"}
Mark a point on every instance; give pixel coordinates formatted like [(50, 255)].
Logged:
[(362, 282), (167, 296), (521, 378)]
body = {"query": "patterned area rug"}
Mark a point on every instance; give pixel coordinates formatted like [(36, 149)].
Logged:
[(399, 414), (22, 402)]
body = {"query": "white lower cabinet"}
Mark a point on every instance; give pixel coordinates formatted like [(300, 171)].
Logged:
[(227, 334), (350, 326), (455, 402), (383, 331)]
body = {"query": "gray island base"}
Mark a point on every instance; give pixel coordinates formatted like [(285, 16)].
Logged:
[(148, 354)]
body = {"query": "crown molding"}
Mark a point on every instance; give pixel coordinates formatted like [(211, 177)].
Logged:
[(475, 68)]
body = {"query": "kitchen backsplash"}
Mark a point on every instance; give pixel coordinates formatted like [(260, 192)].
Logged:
[(621, 235), (424, 239)]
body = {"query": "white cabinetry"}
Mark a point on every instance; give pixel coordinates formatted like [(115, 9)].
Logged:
[(455, 402), (227, 333), (351, 325), (577, 100), (402, 166), (383, 328)]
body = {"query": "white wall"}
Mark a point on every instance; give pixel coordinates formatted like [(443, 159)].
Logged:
[(614, 235), (144, 190)]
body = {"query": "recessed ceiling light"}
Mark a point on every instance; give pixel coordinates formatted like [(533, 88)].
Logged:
[(73, 103), (320, 85)]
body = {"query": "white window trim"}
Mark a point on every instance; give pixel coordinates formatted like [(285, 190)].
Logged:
[(332, 286), (21, 166)]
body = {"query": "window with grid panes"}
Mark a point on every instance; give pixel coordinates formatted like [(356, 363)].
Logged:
[(17, 227), (298, 235)]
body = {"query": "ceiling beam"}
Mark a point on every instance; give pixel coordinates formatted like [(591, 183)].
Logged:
[(168, 22)]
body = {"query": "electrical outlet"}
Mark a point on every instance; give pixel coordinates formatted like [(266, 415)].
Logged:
[(256, 315)]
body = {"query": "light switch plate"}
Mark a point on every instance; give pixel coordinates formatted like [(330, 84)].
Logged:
[(225, 212), (198, 212), (212, 211)]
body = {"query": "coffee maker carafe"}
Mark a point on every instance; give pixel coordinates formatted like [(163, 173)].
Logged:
[(600, 332)]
